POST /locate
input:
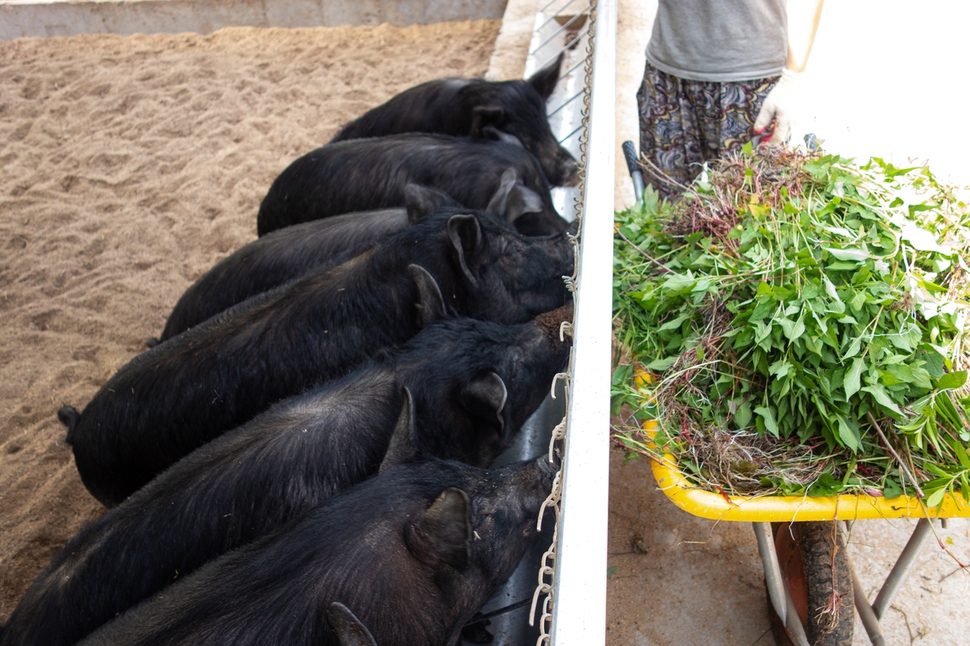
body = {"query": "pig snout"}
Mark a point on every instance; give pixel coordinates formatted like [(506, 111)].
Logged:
[(546, 470), (557, 164), (567, 170), (550, 324), (530, 483)]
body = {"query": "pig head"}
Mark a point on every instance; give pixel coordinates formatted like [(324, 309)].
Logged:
[(496, 274)]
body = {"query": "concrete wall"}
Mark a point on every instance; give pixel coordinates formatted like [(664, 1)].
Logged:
[(512, 44), (634, 24), (19, 18)]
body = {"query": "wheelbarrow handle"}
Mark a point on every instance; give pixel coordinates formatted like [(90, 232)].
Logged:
[(630, 152), (633, 166)]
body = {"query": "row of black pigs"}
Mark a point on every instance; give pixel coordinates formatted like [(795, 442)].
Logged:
[(303, 456)]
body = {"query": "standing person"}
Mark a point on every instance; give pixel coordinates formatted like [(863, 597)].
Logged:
[(719, 73)]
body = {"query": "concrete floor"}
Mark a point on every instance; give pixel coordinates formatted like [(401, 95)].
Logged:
[(676, 579)]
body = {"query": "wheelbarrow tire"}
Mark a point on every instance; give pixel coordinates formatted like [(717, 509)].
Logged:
[(815, 567)]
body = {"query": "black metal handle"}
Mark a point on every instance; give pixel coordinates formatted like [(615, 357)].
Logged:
[(633, 165), (630, 152)]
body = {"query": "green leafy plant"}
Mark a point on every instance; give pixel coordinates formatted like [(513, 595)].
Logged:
[(804, 319)]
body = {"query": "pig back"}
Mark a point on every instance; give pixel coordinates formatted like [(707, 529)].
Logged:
[(197, 385), (476, 108), (276, 259), (364, 174)]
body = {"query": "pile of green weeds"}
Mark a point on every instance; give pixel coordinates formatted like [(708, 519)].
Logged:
[(803, 320)]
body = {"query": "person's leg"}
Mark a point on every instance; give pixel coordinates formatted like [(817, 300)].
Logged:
[(738, 107), (668, 142), (685, 123)]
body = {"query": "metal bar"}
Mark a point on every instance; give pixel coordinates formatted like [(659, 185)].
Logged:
[(579, 37), (579, 608), (565, 103), (566, 138), (581, 14), (571, 69), (780, 598), (904, 565), (769, 558), (796, 632), (548, 4), (868, 617), (551, 18), (561, 29), (633, 167)]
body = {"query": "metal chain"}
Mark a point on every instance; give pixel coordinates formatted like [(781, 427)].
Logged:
[(547, 570)]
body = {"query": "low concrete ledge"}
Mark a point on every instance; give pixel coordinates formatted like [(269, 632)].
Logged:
[(20, 18), (512, 44)]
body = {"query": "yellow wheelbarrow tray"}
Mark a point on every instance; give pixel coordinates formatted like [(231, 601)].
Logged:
[(772, 508), (761, 511)]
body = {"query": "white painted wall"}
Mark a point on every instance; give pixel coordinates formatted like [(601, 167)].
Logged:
[(892, 78), (887, 78), (19, 18)]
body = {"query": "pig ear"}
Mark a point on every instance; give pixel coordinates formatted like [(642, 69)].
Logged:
[(444, 532), (544, 81), (421, 201), (486, 396), (430, 305), (493, 133), (522, 200), (403, 447), (485, 115), (497, 204), (465, 234), (513, 199), (350, 631)]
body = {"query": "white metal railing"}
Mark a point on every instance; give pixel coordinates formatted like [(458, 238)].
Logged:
[(562, 26), (573, 573), (579, 607)]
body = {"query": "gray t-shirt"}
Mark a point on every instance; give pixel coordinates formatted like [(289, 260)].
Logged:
[(719, 40)]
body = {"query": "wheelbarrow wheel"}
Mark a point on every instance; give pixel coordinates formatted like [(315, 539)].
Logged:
[(815, 568)]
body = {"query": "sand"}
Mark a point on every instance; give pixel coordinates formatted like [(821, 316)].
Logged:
[(128, 167)]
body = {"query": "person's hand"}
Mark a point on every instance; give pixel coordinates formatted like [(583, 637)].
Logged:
[(777, 109)]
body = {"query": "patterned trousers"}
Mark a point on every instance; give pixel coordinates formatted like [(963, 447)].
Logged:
[(685, 123)]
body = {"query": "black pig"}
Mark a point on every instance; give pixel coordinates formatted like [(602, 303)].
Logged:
[(291, 252), (203, 382), (415, 552), (364, 174), (476, 108), (473, 383)]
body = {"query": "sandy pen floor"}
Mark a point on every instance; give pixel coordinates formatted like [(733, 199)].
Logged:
[(128, 167)]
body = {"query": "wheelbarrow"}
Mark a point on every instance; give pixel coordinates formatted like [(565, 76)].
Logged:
[(803, 550), (810, 582)]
